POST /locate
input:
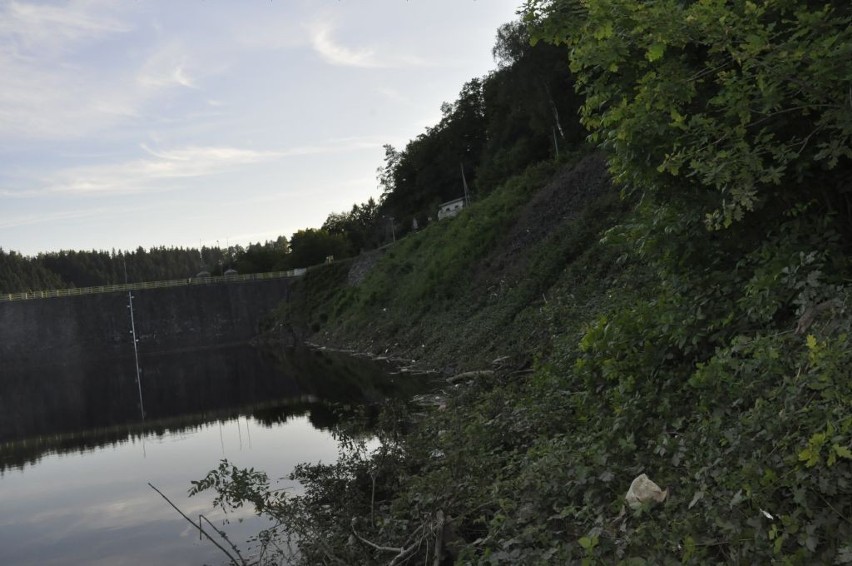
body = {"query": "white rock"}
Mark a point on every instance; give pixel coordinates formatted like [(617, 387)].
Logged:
[(643, 490)]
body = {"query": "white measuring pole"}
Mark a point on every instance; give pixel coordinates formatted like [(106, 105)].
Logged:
[(136, 353)]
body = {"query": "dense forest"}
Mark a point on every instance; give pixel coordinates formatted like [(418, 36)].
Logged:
[(71, 269), (644, 343)]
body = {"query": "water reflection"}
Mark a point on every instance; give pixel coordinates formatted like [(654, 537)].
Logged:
[(76, 455), (50, 409), (96, 507)]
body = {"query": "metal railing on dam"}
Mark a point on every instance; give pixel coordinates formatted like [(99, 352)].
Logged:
[(30, 295)]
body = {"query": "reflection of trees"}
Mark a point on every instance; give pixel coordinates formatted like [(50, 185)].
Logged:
[(338, 377), (323, 417), (16, 454), (62, 409), (278, 415)]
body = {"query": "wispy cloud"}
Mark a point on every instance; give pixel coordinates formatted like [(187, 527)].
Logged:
[(160, 169), (40, 77), (54, 27), (167, 66), (42, 218), (322, 40), (337, 54), (52, 87), (154, 172), (56, 103), (338, 145)]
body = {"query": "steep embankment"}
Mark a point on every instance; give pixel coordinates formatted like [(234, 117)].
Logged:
[(700, 339), (466, 291), (714, 362)]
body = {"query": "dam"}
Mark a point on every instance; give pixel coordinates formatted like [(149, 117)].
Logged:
[(71, 325)]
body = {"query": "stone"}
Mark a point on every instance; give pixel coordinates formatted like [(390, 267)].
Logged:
[(643, 490)]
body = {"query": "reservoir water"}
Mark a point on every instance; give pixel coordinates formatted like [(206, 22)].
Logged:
[(76, 455)]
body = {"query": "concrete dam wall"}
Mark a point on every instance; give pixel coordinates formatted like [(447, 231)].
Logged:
[(66, 329)]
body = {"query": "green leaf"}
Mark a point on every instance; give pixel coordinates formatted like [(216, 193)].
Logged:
[(604, 31), (811, 454), (809, 457), (655, 52), (842, 451)]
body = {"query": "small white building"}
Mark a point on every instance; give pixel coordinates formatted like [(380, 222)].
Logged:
[(450, 208)]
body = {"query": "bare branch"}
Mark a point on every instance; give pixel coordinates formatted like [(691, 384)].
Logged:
[(372, 544), (200, 529), (224, 535)]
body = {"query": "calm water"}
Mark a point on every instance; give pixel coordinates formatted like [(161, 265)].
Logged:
[(76, 456)]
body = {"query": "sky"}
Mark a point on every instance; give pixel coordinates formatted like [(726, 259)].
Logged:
[(202, 122)]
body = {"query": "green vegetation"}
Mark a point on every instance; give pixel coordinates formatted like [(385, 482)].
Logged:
[(734, 107), (18, 274), (74, 269), (694, 327), (484, 272), (696, 331), (516, 116), (307, 310)]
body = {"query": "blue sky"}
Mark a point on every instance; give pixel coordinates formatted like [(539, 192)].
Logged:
[(154, 122)]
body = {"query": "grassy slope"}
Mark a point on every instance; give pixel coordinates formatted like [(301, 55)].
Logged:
[(690, 370), (461, 293)]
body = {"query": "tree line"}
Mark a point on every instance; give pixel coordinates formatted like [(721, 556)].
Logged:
[(519, 114), (71, 268), (523, 112)]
